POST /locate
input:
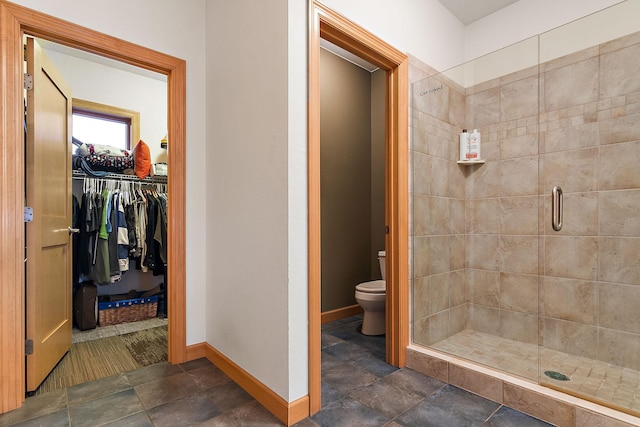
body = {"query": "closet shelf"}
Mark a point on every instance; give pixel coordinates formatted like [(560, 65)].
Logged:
[(157, 179)]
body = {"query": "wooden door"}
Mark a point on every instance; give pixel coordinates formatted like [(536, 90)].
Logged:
[(48, 188)]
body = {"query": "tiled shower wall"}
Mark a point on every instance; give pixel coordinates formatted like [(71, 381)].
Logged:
[(485, 255)]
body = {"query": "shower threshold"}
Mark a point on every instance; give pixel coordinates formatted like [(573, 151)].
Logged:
[(589, 379)]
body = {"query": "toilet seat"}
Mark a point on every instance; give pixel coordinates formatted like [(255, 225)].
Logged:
[(373, 287)]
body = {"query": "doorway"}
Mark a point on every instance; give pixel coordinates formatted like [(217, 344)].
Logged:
[(15, 22), (328, 25)]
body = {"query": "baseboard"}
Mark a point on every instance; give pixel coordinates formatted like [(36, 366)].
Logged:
[(288, 413), (195, 351), (340, 313)]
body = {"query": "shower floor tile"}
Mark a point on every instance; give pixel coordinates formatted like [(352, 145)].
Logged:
[(589, 379)]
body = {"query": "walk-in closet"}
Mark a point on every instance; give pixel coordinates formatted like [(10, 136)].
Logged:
[(109, 175)]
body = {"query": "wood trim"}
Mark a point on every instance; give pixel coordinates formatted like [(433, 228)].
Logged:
[(327, 24), (134, 116), (340, 313), (397, 303), (196, 351), (313, 207), (288, 413), (12, 297), (14, 22)]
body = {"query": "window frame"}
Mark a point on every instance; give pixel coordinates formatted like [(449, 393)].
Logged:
[(105, 111)]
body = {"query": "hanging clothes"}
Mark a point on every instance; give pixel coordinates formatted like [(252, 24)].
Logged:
[(119, 222)]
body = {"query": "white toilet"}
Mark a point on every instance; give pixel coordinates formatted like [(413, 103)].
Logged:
[(371, 297)]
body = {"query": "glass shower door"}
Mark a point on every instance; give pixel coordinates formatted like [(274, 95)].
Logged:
[(590, 281)]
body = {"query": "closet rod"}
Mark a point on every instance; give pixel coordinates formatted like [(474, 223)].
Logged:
[(157, 179)]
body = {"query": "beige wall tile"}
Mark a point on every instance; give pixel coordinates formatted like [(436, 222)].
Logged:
[(519, 146), (571, 257), (458, 318), (476, 382), (618, 166), (428, 365), (580, 215), (439, 146), (620, 129), (571, 138), (421, 214), (483, 251), (518, 326), (519, 177), (619, 212), (438, 327), (457, 105), (419, 136), (457, 180), (569, 59), (484, 319), (484, 287), (620, 72), (457, 252), (458, 288), (483, 108), (619, 260), (573, 84), (439, 255), (482, 216), (519, 215), (568, 299), (420, 256), (439, 177), (457, 224), (437, 293), (619, 307), (538, 405), (619, 348), (483, 181), (570, 337), (519, 292), (519, 254), (620, 42), (519, 99), (585, 417), (420, 297), (432, 102), (421, 168), (574, 171), (439, 213), (490, 150)]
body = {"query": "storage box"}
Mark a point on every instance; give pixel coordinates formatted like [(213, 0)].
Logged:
[(128, 310)]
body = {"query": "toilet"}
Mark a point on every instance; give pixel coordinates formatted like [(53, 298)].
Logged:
[(371, 297)]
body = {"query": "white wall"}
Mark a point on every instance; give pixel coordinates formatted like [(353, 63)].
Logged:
[(248, 124), (524, 19), (96, 82), (298, 354), (423, 28), (177, 28)]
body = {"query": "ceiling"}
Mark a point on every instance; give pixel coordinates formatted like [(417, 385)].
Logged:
[(469, 11)]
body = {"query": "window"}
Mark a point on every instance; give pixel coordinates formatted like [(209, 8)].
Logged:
[(95, 123)]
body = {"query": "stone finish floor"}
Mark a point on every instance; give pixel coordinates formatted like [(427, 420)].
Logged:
[(358, 389)]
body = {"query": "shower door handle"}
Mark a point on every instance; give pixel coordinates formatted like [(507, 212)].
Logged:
[(556, 208)]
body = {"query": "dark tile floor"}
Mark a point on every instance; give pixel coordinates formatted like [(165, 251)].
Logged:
[(358, 389)]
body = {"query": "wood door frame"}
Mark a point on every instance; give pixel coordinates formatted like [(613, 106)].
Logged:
[(15, 21), (327, 24)]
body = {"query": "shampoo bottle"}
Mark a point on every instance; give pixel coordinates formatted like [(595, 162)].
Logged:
[(474, 146), (464, 144)]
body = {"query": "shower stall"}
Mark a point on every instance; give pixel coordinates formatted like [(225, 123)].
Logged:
[(527, 261)]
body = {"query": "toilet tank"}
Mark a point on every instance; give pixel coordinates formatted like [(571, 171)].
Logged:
[(381, 259)]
